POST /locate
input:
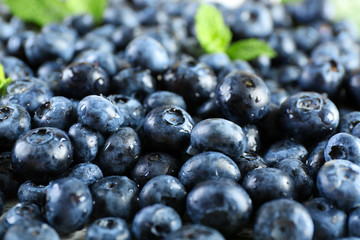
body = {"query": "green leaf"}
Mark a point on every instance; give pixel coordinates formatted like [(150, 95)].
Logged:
[(347, 9), (95, 7), (290, 1), (3, 81), (211, 31), (249, 49), (40, 12)]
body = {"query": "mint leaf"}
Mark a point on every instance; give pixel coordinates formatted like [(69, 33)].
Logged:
[(211, 31), (249, 49), (348, 9), (3, 81), (290, 1), (94, 7), (40, 12)]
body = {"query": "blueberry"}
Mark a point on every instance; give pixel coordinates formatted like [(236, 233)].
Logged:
[(206, 166), (222, 204), (50, 72), (343, 146), (109, 228), (154, 164), (15, 44), (163, 189), (249, 161), (283, 219), (236, 65), (122, 36), (162, 98), (282, 41), (243, 97), (329, 221), (217, 61), (155, 222), (106, 194), (68, 204), (89, 173), (167, 128), (58, 112), (21, 212), (348, 121), (131, 108), (120, 151), (306, 37), (284, 149), (81, 79), (146, 52), (14, 121), (31, 230), (194, 80), (353, 223), (42, 153), (15, 68), (30, 192), (195, 232), (86, 142), (82, 23), (95, 43), (103, 59), (133, 82), (338, 181), (217, 134), (99, 113)]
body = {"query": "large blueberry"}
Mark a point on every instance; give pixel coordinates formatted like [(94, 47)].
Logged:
[(42, 153), (120, 151), (339, 181), (343, 146), (283, 219), (243, 97), (206, 166), (30, 192), (68, 204), (155, 222), (167, 128), (99, 113), (222, 204), (217, 134), (108, 191), (21, 212), (308, 116)]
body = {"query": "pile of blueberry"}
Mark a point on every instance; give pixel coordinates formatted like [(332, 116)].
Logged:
[(128, 129)]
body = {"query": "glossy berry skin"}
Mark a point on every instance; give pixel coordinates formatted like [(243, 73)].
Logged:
[(133, 82), (308, 116), (87, 172), (206, 166), (167, 128), (284, 149), (155, 222), (42, 153), (353, 223), (86, 142), (31, 230), (30, 192), (195, 81), (343, 146), (218, 134), (106, 194), (303, 183), (103, 59), (266, 184), (243, 97), (162, 98), (131, 108), (146, 52), (28, 92), (163, 189), (21, 212), (249, 161), (81, 79), (68, 204), (120, 151), (14, 121), (283, 219), (322, 75), (222, 204), (195, 232), (15, 68), (109, 228), (316, 159), (252, 19), (99, 113), (252, 135), (217, 61), (154, 164), (58, 112), (338, 181), (329, 221), (349, 121)]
